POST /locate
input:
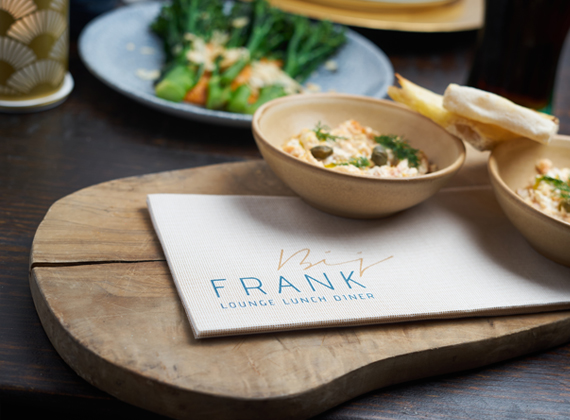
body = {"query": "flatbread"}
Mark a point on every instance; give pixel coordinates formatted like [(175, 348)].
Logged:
[(483, 130), (486, 107)]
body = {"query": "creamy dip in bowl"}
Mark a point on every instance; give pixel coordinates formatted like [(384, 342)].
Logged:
[(350, 193), (536, 212)]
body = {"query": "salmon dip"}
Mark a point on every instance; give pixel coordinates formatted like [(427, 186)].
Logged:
[(356, 149), (549, 190)]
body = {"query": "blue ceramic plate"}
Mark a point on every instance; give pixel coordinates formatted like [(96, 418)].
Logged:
[(120, 50)]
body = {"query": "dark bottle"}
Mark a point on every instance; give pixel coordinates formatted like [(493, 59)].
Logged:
[(518, 50)]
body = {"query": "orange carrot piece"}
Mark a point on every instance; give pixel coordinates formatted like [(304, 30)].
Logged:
[(199, 93), (252, 98), (242, 77)]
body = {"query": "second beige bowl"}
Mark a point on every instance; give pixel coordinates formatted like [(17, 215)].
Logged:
[(345, 194), (511, 167)]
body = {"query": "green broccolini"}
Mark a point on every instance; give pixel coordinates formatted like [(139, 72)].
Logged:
[(310, 45), (176, 82), (265, 35), (181, 17), (199, 17), (265, 31)]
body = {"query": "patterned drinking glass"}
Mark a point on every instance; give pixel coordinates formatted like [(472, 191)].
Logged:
[(34, 48)]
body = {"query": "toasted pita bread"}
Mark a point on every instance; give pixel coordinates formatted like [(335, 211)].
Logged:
[(481, 133)]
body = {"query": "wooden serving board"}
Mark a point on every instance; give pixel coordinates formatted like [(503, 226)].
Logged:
[(105, 297)]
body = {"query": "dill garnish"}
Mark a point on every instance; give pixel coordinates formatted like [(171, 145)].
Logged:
[(359, 162), (400, 147), (324, 135), (562, 187)]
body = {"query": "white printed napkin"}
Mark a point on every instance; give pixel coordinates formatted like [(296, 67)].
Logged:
[(251, 264)]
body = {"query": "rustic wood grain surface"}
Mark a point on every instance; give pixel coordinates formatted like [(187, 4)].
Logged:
[(97, 135), (107, 302)]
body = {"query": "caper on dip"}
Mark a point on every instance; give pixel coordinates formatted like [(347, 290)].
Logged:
[(357, 149)]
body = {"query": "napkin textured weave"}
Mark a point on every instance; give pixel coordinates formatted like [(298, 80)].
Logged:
[(251, 264)]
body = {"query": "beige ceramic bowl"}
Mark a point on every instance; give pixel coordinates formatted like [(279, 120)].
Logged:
[(512, 166), (344, 194)]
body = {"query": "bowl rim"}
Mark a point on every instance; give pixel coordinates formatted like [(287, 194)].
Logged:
[(453, 167), (493, 169)]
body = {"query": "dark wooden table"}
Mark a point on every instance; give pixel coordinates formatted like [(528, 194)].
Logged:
[(98, 135)]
